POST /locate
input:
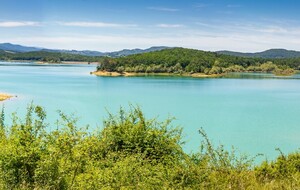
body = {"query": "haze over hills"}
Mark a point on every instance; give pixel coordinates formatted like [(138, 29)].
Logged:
[(17, 48), (14, 48), (271, 53)]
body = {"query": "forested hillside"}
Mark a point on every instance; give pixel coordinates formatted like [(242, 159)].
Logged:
[(181, 60), (52, 57)]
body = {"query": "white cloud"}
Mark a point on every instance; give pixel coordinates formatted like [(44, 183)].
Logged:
[(251, 28), (224, 12), (202, 5), (169, 25), (246, 42), (166, 9), (96, 24), (11, 24), (233, 6), (212, 36)]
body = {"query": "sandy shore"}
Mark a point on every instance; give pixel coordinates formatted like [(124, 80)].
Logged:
[(5, 97), (115, 74), (106, 74), (79, 62), (127, 74), (69, 62), (202, 75)]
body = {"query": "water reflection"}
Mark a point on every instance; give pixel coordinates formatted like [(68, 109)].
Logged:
[(259, 76)]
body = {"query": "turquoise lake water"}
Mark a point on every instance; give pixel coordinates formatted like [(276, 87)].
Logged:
[(255, 113)]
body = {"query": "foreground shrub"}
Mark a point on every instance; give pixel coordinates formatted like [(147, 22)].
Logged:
[(285, 170), (130, 152)]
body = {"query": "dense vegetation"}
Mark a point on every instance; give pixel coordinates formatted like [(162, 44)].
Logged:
[(181, 60), (51, 57), (129, 152)]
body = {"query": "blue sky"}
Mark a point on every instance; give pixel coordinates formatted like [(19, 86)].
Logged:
[(239, 25)]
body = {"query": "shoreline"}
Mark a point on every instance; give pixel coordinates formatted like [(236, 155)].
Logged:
[(42, 62), (68, 62), (193, 75), (132, 74), (4, 97)]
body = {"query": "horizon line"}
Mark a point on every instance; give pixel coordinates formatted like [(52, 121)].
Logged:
[(221, 50)]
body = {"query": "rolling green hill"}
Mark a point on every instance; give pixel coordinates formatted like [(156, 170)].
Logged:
[(182, 60), (52, 57)]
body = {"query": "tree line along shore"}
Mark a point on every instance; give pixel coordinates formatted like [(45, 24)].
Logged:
[(189, 62)]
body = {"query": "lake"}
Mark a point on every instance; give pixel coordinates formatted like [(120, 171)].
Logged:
[(255, 113)]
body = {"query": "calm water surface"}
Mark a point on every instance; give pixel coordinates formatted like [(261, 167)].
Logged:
[(255, 113)]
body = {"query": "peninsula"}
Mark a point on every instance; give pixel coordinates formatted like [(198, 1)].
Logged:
[(193, 63), (4, 96)]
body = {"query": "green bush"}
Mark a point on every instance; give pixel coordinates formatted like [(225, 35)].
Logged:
[(130, 152)]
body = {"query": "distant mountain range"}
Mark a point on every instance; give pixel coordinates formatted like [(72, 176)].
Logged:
[(17, 48), (271, 53), (13, 48)]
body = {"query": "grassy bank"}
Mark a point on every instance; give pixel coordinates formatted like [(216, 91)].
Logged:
[(129, 152)]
